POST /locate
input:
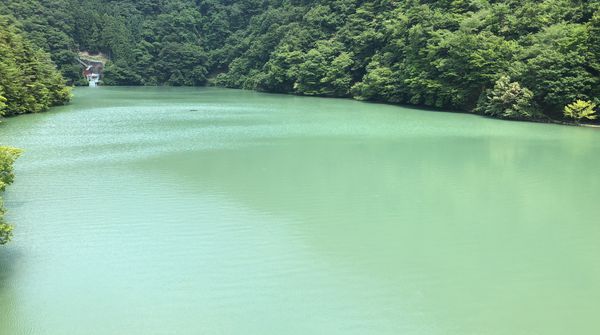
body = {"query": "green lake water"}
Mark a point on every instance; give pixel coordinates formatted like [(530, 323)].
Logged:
[(214, 211)]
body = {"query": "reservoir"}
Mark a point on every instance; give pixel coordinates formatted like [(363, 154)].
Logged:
[(214, 211)]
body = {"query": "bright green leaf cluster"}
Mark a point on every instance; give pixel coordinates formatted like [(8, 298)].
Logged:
[(8, 156), (5, 231), (580, 110)]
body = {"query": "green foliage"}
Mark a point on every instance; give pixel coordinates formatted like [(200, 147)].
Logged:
[(325, 71), (29, 81), (117, 74), (508, 100), (8, 156), (3, 101), (580, 110), (378, 84), (557, 66), (443, 54), (5, 229), (50, 26)]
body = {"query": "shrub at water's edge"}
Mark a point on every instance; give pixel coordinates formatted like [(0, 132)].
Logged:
[(8, 156), (29, 80), (509, 100), (580, 110)]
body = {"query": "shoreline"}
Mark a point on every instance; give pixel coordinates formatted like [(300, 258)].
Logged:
[(419, 107)]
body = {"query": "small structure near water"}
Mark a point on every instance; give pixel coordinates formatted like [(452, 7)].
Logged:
[(92, 67), (92, 77)]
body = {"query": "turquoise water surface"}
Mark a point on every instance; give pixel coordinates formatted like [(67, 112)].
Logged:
[(214, 211)]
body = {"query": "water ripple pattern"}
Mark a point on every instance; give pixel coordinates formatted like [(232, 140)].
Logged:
[(163, 211)]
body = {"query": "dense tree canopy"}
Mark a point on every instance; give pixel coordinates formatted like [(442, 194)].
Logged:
[(29, 81), (445, 54)]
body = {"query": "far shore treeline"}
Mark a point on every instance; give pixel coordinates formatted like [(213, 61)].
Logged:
[(519, 59)]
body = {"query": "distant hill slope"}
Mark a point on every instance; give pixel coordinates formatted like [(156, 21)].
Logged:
[(445, 54)]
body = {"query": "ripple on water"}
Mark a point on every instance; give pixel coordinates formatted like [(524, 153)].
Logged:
[(224, 211)]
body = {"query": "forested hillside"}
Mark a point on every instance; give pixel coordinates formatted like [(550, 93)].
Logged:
[(521, 59), (29, 81)]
